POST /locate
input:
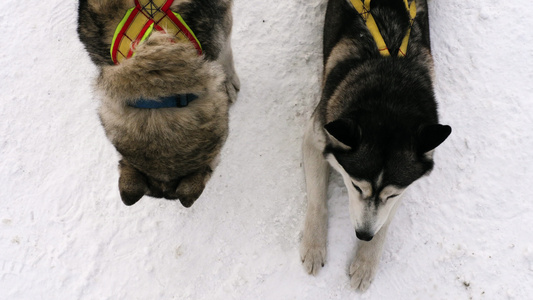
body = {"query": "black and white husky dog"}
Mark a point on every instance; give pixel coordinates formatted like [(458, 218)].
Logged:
[(376, 123)]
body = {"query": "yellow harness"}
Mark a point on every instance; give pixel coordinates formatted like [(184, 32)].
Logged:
[(364, 10), (140, 21)]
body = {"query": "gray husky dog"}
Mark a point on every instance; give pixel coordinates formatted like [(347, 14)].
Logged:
[(167, 151), (376, 123)]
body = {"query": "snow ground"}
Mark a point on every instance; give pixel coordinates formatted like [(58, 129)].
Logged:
[(462, 233)]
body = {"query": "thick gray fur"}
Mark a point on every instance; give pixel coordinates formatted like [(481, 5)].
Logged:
[(169, 152)]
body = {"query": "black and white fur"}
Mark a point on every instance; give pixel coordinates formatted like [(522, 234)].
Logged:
[(376, 124)]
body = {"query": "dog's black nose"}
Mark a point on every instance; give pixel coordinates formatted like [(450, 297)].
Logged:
[(363, 235)]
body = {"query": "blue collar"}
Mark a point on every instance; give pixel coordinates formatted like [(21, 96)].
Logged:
[(181, 100)]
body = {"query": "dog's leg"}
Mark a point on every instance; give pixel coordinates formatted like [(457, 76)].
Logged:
[(233, 84), (366, 261), (313, 245)]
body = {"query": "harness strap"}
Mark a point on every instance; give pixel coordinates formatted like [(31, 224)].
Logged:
[(139, 22), (363, 8)]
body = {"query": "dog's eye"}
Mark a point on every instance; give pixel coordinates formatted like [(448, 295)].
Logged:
[(392, 196), (357, 188)]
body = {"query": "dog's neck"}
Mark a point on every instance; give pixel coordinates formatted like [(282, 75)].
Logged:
[(181, 100)]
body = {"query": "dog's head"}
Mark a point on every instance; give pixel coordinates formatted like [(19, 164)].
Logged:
[(378, 161), (134, 184)]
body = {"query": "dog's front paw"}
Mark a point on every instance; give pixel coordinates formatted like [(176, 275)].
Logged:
[(362, 273), (313, 257)]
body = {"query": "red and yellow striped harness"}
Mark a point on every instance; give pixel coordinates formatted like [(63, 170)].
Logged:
[(139, 22), (363, 8)]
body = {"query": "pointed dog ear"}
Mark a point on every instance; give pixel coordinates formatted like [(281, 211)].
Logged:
[(132, 184), (344, 131), (431, 136), (191, 186)]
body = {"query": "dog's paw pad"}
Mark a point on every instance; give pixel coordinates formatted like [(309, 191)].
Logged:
[(313, 258), (361, 274)]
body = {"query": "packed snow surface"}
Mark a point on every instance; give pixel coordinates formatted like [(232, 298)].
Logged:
[(464, 232)]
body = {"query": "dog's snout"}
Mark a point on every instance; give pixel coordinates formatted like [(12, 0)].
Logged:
[(364, 235)]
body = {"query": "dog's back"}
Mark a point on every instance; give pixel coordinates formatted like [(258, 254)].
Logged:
[(351, 54), (344, 22), (97, 20)]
